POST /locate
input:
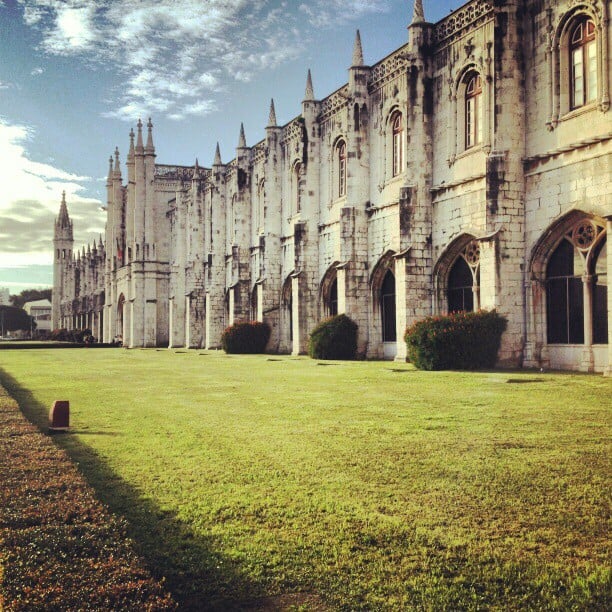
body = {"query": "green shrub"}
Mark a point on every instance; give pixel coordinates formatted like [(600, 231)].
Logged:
[(459, 341), (246, 337), (60, 335), (334, 338)]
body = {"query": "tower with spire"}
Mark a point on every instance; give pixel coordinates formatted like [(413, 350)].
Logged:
[(63, 243)]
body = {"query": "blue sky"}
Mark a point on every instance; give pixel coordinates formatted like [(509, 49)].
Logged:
[(75, 75)]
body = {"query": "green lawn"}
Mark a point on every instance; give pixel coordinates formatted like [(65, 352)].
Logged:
[(324, 485)]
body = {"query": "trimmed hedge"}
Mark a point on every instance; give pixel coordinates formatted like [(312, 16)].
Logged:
[(248, 337), (459, 341), (60, 548), (334, 338), (78, 336)]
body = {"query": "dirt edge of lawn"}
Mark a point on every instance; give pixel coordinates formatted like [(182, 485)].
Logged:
[(60, 547)]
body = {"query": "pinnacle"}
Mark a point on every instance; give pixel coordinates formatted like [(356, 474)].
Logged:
[(357, 51), (150, 148), (217, 161), (117, 166), (309, 94), (272, 116), (242, 138), (418, 16), (139, 145)]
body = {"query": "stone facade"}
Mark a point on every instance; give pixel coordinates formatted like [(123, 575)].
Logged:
[(456, 173)]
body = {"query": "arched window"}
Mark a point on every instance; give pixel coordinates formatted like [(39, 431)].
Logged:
[(464, 280), (564, 296), (398, 143), (341, 154), (473, 109), (297, 192), (120, 312), (261, 192), (231, 222), (600, 295), (583, 63), (333, 299), (387, 307)]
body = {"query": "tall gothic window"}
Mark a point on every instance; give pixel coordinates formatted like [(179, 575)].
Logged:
[(297, 196), (473, 110), (577, 269), (341, 153), (600, 296), (583, 63), (387, 307), (231, 222), (564, 296), (333, 299), (260, 211), (464, 279), (398, 143)]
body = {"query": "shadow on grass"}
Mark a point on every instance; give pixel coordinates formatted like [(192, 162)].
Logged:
[(198, 577)]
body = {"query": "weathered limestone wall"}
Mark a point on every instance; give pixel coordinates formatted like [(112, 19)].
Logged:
[(266, 235)]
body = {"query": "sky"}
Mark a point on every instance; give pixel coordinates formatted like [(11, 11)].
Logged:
[(76, 75)]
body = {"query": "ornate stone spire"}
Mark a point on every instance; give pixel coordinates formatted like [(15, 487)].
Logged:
[(217, 161), (109, 178), (130, 156), (139, 145), (150, 149), (357, 51), (196, 170), (272, 116), (63, 219), (117, 164), (242, 139), (309, 93), (418, 15)]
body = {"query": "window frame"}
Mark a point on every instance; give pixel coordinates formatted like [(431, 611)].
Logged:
[(341, 161), (583, 57), (397, 143), (473, 110)]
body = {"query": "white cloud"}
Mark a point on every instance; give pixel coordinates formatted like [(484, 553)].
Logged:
[(36, 71), (73, 30), (175, 56), (328, 13), (31, 195)]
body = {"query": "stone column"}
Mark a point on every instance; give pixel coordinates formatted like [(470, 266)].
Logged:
[(587, 363), (608, 368)]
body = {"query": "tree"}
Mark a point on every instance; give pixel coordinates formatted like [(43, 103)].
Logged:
[(12, 319), (30, 295)]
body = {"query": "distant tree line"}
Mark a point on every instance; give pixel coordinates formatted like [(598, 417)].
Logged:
[(30, 295)]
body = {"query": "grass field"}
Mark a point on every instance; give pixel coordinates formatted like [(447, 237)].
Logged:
[(275, 481)]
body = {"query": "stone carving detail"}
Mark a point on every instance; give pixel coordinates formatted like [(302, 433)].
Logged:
[(293, 131), (179, 173), (259, 151), (461, 19), (388, 69), (584, 234), (472, 253), (595, 5), (332, 104)]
